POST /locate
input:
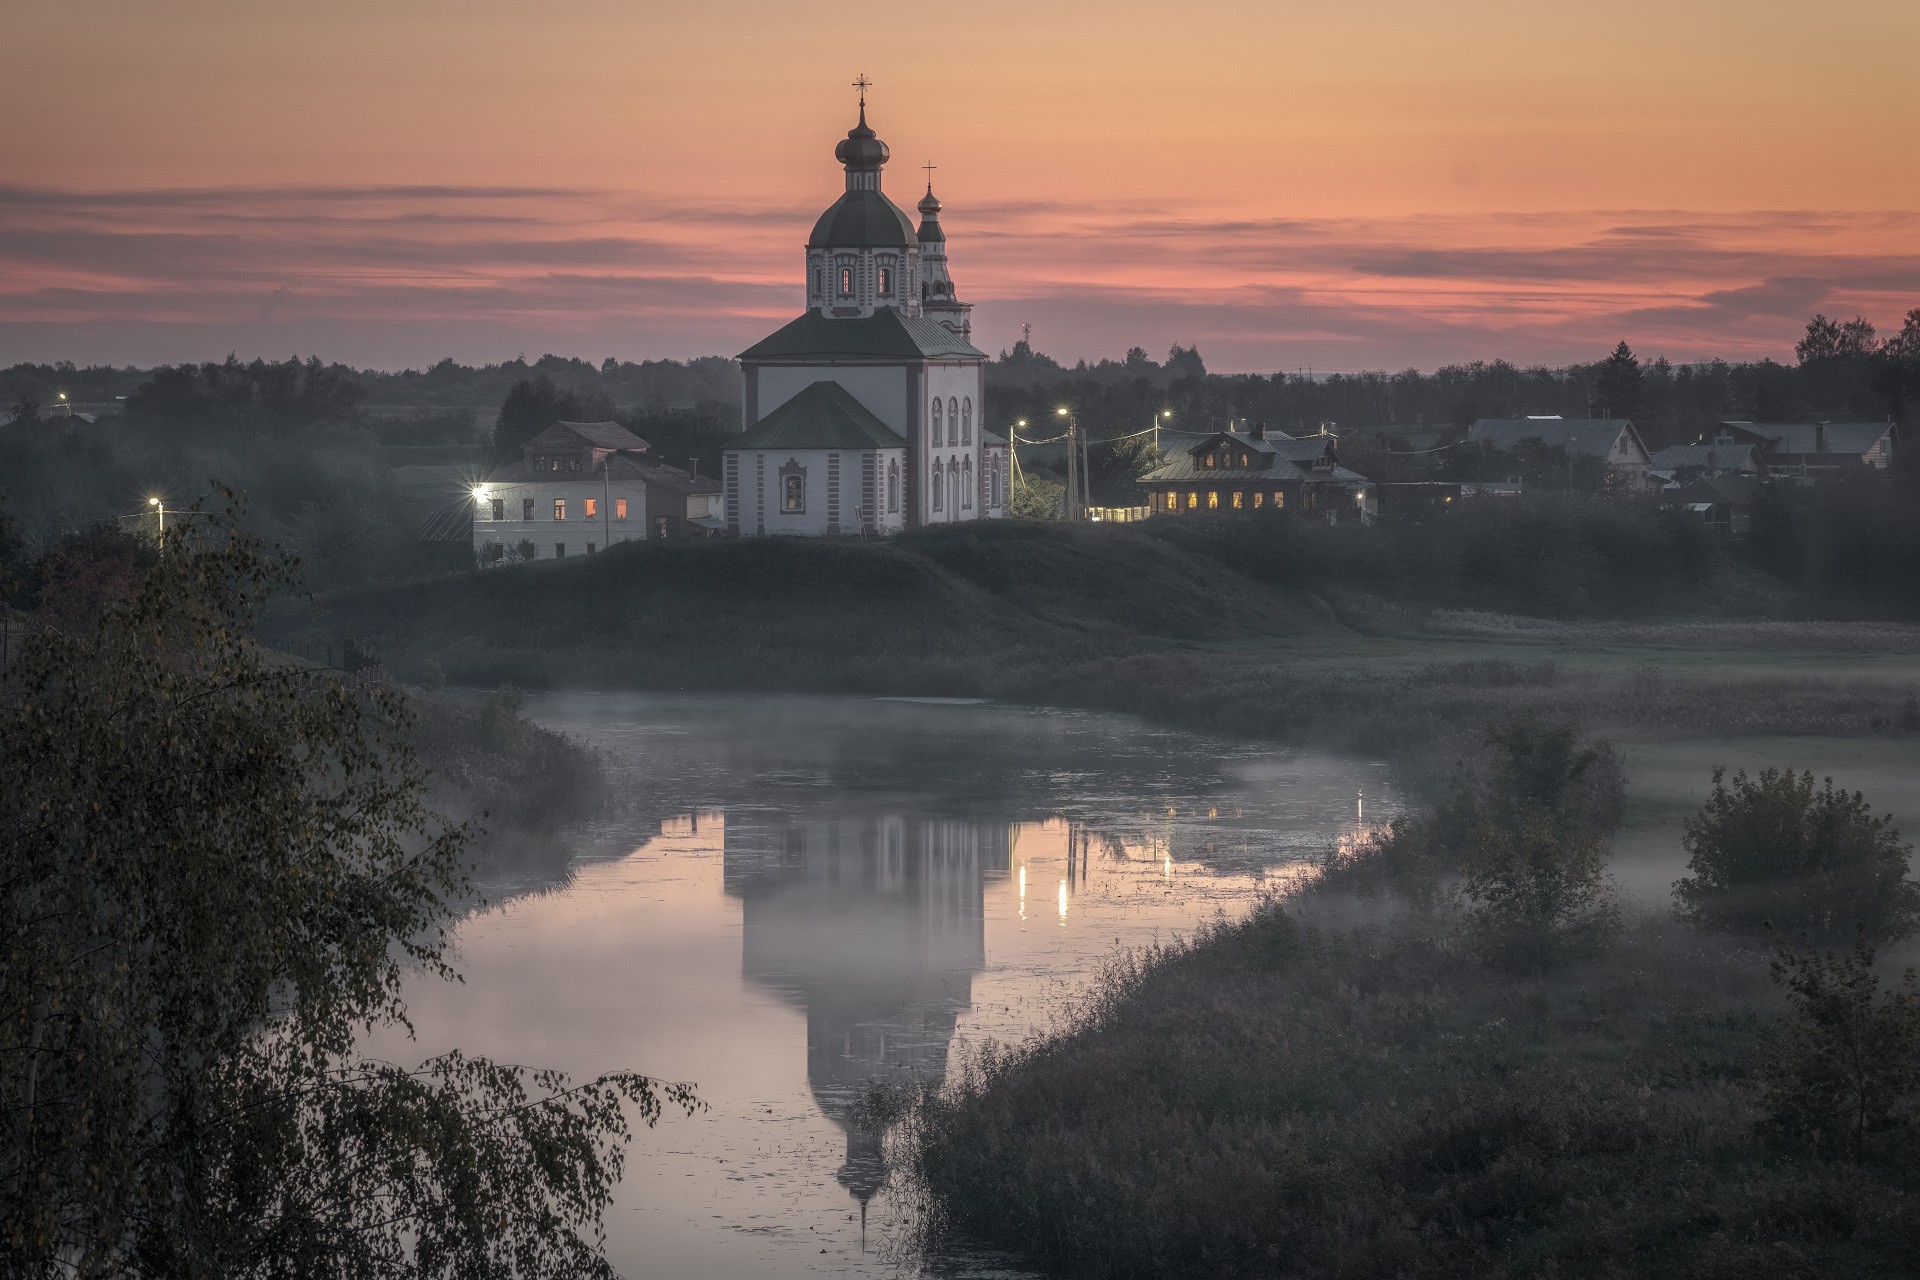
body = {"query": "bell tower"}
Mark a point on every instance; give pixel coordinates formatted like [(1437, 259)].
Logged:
[(863, 253)]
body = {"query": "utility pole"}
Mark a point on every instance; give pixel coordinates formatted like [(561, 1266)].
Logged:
[(606, 504), (1086, 476)]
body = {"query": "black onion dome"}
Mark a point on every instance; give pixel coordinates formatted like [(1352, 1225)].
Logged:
[(860, 149), (930, 231)]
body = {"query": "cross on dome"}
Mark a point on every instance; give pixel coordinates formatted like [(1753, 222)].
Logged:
[(863, 84)]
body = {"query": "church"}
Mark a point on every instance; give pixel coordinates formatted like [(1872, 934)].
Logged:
[(867, 414)]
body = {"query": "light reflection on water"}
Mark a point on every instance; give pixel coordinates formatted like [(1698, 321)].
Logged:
[(843, 891)]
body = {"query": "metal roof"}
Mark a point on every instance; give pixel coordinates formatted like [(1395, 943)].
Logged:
[(1857, 438), (886, 334), (1716, 457), (824, 415), (1592, 437), (863, 219), (598, 435)]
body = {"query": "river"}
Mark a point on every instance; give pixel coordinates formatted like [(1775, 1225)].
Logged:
[(797, 896)]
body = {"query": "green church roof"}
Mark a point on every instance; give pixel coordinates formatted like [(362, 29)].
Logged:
[(885, 334), (823, 416)]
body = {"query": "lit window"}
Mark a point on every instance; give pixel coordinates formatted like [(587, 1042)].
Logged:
[(794, 494), (1236, 499), (619, 508), (886, 281), (1209, 460), (1243, 462), (526, 509), (1213, 499), (1279, 498), (593, 509), (1193, 499), (846, 282), (937, 410), (559, 508), (1258, 498), (554, 464)]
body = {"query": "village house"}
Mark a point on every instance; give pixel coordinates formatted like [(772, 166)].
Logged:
[(867, 414), (1723, 502), (584, 486), (1680, 462), (1813, 450), (1257, 470), (1612, 440)]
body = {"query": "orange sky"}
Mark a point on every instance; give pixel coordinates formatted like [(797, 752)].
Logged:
[(1355, 185)]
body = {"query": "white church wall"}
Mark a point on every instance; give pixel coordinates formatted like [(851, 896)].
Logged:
[(962, 386), (882, 389)]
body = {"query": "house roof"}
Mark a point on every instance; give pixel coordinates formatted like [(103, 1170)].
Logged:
[(1181, 469), (1589, 437), (676, 479), (597, 435), (1716, 457), (886, 334), (824, 415), (1857, 438)]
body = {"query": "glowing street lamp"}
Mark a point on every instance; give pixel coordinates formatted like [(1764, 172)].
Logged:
[(159, 516)]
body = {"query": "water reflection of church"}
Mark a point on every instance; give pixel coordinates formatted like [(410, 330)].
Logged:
[(873, 925)]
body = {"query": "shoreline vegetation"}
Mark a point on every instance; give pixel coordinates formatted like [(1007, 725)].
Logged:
[(1448, 1054)]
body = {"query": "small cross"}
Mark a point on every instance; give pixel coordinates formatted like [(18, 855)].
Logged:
[(863, 84), (929, 166)]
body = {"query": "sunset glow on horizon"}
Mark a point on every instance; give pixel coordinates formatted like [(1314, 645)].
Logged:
[(1366, 186)]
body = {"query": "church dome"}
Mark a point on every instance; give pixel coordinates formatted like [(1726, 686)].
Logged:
[(860, 149), (930, 232), (929, 203)]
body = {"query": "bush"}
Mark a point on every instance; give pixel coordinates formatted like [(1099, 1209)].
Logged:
[(1847, 1067), (1534, 894), (1773, 851)]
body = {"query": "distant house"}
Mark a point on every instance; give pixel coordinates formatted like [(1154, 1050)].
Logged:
[(1257, 470), (1722, 502), (1431, 497), (583, 486), (1612, 440), (1727, 458), (1814, 449)]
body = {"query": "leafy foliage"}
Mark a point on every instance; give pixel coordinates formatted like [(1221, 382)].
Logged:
[(1847, 1066), (1534, 894), (218, 868), (534, 404), (1773, 851)]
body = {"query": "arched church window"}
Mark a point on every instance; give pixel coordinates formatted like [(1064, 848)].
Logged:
[(936, 422), (893, 487), (966, 483), (795, 496), (953, 483), (846, 282), (886, 281), (939, 473), (966, 421), (953, 420)]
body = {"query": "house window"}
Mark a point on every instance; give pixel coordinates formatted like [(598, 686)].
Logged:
[(966, 483), (939, 474), (559, 508), (1213, 499), (593, 508), (1209, 460), (660, 530), (846, 282), (573, 464), (619, 508), (1279, 499), (559, 551), (1193, 499), (1243, 462), (966, 421), (526, 549), (1236, 499), (936, 422), (886, 281), (793, 494), (526, 510), (539, 462), (893, 486), (591, 548), (554, 464), (1258, 498), (499, 508)]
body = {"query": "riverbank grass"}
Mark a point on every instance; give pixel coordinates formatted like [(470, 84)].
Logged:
[(1296, 1095)]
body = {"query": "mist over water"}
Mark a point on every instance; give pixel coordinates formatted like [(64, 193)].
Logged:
[(805, 895)]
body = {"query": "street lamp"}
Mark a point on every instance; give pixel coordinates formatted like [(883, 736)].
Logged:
[(159, 514)]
